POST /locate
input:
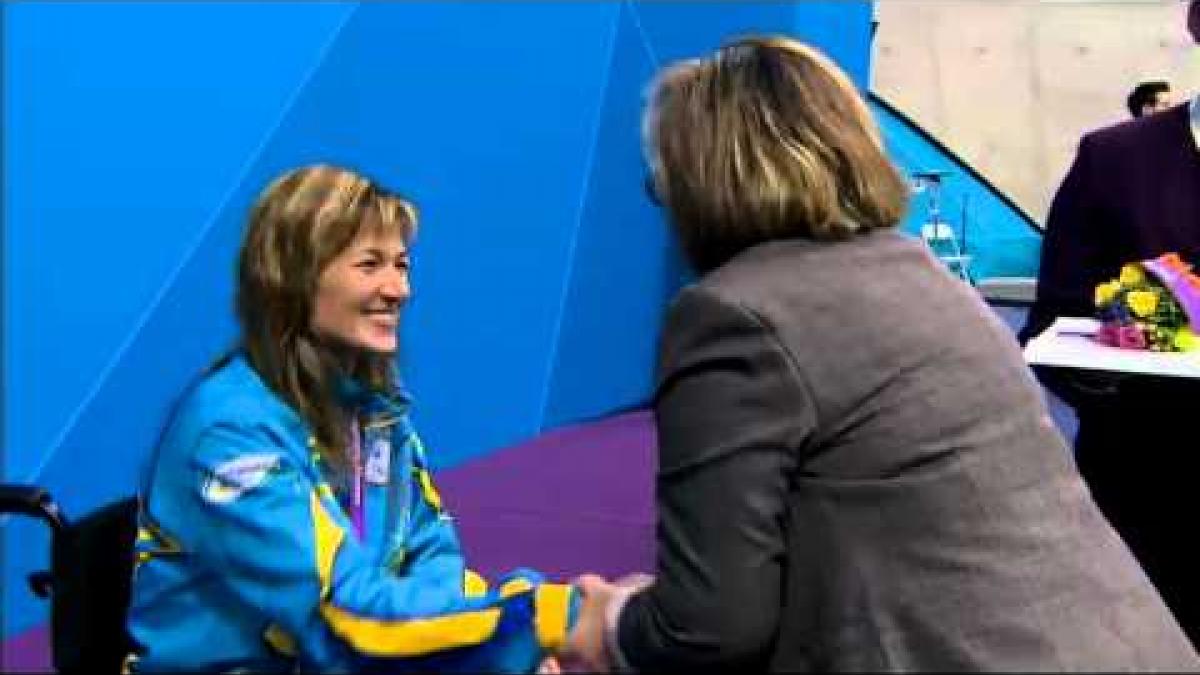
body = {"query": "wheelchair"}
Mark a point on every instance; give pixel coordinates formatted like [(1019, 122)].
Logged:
[(88, 583)]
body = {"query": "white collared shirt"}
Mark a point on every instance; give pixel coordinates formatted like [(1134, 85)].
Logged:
[(1196, 121)]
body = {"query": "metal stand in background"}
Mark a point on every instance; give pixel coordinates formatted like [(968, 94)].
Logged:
[(938, 234)]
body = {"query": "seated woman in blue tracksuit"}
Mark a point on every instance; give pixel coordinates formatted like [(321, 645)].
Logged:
[(288, 519)]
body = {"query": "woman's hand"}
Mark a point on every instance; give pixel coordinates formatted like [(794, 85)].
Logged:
[(634, 582), (585, 642)]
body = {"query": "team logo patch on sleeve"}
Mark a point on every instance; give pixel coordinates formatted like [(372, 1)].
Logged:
[(238, 476)]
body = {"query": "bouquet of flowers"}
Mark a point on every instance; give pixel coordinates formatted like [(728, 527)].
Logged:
[(1154, 305)]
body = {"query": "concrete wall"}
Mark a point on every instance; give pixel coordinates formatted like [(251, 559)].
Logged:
[(1011, 84)]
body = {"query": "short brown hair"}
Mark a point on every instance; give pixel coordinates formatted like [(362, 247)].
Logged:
[(767, 139), (298, 225)]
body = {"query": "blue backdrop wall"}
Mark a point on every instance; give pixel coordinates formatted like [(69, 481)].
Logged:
[(137, 134)]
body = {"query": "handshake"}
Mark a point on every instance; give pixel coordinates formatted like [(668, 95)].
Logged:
[(587, 646)]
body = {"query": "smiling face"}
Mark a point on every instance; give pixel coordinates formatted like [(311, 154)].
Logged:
[(360, 292)]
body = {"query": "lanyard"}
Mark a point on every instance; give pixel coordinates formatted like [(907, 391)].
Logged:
[(356, 479)]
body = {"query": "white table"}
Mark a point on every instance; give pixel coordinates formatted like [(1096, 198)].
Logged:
[(1068, 344)]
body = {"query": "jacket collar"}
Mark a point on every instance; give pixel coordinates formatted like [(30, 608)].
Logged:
[(355, 395)]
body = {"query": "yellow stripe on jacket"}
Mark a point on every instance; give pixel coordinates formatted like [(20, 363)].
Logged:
[(552, 605), (474, 585), (390, 637)]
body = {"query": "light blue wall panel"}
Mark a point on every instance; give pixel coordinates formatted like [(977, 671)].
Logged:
[(840, 28), (137, 134), (625, 264), (481, 113), (126, 129)]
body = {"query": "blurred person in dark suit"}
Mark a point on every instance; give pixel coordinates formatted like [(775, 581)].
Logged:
[(1132, 193)]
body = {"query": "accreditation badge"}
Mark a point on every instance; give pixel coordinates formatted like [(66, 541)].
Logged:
[(378, 469)]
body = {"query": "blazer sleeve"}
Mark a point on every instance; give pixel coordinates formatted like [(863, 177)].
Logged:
[(1077, 247), (281, 548), (731, 417), (1078, 250)]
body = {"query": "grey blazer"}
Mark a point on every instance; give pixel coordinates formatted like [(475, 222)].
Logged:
[(857, 472)]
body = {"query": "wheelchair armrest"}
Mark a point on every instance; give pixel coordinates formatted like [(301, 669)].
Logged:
[(32, 501), (41, 583)]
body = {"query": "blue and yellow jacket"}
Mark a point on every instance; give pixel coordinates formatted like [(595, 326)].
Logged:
[(247, 558)]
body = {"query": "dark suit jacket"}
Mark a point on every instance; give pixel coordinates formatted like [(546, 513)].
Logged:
[(1132, 193), (857, 472)]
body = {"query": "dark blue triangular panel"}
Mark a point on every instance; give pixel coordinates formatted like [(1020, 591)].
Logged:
[(624, 267)]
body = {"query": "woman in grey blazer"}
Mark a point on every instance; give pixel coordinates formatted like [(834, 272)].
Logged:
[(856, 469)]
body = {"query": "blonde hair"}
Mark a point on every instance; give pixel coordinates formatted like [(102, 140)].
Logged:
[(297, 226), (767, 139)]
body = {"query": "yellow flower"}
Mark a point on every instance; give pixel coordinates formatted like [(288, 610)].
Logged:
[(1143, 303), (1132, 274), (1106, 292), (1186, 340)]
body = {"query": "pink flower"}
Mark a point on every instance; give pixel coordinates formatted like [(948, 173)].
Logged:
[(1107, 334), (1131, 337), (1121, 335)]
